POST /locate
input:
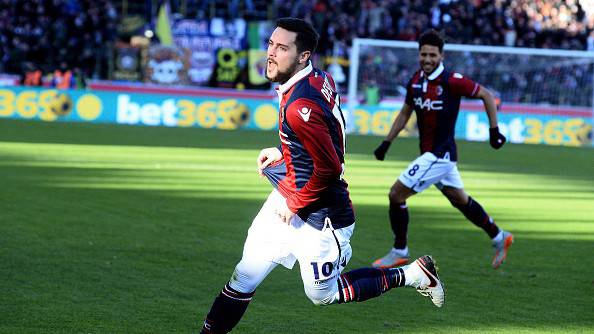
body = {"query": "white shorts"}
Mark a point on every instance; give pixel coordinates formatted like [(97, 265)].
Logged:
[(322, 255), (429, 169)]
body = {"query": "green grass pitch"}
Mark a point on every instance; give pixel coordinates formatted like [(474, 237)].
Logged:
[(115, 229)]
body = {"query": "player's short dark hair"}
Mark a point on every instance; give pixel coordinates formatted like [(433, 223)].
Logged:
[(307, 37), (432, 37)]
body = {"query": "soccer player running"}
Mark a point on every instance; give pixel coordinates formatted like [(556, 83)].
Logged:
[(308, 216), (434, 94)]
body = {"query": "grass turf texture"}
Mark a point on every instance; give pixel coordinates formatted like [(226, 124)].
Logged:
[(107, 229)]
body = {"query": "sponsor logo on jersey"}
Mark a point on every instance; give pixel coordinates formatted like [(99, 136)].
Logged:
[(327, 90), (305, 112), (428, 104)]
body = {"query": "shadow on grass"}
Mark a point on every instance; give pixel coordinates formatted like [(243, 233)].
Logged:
[(566, 162), (137, 261)]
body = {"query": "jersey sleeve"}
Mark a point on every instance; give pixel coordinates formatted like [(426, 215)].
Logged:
[(462, 86), (306, 119)]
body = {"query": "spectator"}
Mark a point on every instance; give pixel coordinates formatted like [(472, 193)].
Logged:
[(32, 75), (81, 32), (63, 77), (46, 32), (372, 94)]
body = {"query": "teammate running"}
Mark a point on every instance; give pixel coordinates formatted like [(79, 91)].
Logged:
[(434, 94)]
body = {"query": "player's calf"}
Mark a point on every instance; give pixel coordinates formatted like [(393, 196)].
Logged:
[(226, 311), (365, 283), (362, 284), (475, 213)]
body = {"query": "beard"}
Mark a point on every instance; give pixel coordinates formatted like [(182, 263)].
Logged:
[(282, 76), (431, 67)]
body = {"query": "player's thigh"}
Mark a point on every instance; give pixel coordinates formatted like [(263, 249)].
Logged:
[(266, 243), (400, 192), (457, 196), (322, 257), (452, 179), (425, 171), (268, 236)]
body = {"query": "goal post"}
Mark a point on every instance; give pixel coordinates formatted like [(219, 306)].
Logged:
[(547, 95)]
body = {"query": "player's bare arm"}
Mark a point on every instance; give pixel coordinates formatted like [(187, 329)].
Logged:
[(490, 105), (397, 126), (399, 122), (267, 156), (496, 139)]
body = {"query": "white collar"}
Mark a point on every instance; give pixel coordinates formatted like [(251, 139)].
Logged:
[(298, 76), (435, 73)]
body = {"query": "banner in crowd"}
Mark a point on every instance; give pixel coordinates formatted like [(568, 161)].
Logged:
[(216, 50), (166, 65), (209, 53), (127, 63), (258, 34), (552, 126)]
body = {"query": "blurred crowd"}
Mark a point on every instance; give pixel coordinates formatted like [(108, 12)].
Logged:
[(564, 24), (553, 24), (65, 41), (62, 41)]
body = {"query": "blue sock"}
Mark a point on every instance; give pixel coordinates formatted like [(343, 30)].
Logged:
[(365, 283), (226, 311), (474, 212)]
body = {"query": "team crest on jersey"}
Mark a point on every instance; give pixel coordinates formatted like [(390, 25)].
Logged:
[(305, 112), (439, 90)]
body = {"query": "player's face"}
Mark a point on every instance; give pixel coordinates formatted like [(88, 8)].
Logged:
[(429, 58), (282, 56)]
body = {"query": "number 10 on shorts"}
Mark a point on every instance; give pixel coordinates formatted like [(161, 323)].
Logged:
[(326, 269)]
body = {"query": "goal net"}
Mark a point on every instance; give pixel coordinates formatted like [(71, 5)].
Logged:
[(537, 82)]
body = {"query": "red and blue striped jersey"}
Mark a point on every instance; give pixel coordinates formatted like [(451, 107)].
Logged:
[(311, 130), (436, 101)]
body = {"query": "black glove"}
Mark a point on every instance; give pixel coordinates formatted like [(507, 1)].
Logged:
[(380, 151), (496, 138)]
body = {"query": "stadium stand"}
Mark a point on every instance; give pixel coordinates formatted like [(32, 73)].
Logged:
[(47, 33), (81, 32)]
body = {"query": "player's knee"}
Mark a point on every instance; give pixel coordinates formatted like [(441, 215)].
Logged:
[(244, 278), (394, 196), (321, 297)]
